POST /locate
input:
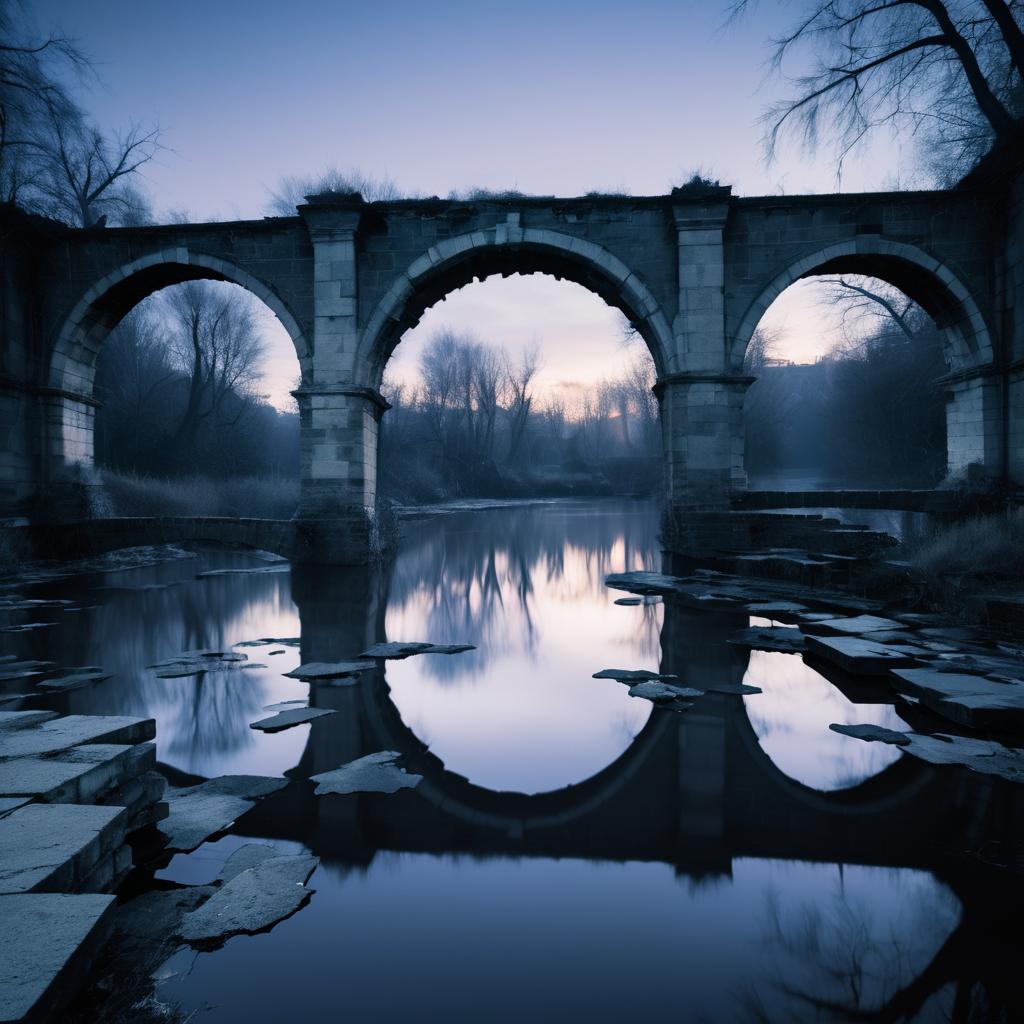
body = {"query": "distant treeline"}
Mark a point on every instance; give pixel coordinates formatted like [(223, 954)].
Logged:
[(473, 427)]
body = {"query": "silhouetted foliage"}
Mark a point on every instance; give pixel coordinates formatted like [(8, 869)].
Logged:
[(949, 72)]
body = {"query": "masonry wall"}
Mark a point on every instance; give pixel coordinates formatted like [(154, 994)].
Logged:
[(640, 232), (765, 236), (1013, 328), (19, 413)]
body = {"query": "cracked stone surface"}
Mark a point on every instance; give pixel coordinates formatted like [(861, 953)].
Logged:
[(252, 900), (397, 650), (289, 718), (198, 812), (72, 731), (46, 944), (316, 671), (53, 847), (375, 773)]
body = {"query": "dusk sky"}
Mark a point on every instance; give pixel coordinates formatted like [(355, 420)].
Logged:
[(544, 98)]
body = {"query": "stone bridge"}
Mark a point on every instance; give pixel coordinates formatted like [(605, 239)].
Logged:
[(694, 271)]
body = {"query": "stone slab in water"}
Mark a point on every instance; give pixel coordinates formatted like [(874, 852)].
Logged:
[(75, 776), (967, 699), (630, 675), (784, 639), (72, 731), (872, 733), (663, 695), (55, 847), (251, 901), (856, 625), (11, 803), (194, 663), (398, 650), (198, 812), (74, 680), (289, 718), (858, 655), (375, 773), (47, 945), (983, 756), (315, 671), (22, 719)]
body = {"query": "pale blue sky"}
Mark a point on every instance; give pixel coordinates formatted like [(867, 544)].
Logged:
[(546, 97)]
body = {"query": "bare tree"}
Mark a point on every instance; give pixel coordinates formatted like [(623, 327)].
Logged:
[(949, 71), (85, 177), (215, 343), (29, 89), (519, 382), (292, 191)]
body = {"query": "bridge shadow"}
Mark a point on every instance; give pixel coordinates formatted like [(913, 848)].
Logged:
[(694, 790)]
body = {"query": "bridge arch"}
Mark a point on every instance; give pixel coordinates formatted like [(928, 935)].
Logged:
[(973, 405), (504, 250), (107, 301), (920, 276), (69, 405)]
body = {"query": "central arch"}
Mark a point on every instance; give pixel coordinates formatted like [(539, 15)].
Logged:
[(505, 250)]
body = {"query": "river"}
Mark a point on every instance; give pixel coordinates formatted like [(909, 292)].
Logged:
[(573, 852)]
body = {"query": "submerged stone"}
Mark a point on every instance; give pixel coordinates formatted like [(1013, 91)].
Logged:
[(197, 812), (315, 671), (398, 650), (290, 717), (264, 641), (643, 582), (252, 900), (375, 773), (629, 600)]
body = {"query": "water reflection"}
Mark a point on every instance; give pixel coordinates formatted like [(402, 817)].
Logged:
[(522, 711), (571, 853), (792, 716)]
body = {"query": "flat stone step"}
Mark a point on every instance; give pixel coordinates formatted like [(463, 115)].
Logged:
[(47, 944), (72, 731), (55, 847), (963, 698), (77, 775), (858, 655)]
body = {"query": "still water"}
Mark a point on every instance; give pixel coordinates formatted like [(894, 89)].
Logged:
[(572, 853)]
